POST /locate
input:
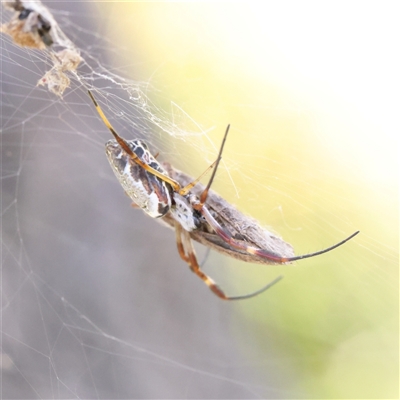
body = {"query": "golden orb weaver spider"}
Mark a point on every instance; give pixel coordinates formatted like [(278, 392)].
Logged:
[(150, 187)]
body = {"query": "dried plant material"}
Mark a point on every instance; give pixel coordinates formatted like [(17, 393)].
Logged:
[(31, 25), (56, 80), (34, 26), (69, 59)]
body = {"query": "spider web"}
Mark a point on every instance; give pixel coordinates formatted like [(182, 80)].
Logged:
[(96, 302)]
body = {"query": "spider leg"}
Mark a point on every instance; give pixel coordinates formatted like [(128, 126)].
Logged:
[(203, 196), (187, 253), (187, 188), (227, 237), (179, 243), (205, 258), (125, 146)]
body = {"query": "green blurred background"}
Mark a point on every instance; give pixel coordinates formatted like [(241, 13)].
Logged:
[(313, 152)]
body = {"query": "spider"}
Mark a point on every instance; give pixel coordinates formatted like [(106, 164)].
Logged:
[(151, 188)]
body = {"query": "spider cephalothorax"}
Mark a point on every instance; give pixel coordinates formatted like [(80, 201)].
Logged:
[(148, 192)]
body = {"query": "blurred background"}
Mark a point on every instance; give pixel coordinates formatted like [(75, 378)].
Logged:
[(96, 302)]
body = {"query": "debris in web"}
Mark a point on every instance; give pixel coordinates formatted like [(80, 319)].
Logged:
[(33, 26), (56, 79)]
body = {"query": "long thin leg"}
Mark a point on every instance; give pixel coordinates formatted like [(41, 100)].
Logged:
[(227, 237), (125, 146), (179, 243), (187, 253), (187, 188), (203, 196), (199, 206)]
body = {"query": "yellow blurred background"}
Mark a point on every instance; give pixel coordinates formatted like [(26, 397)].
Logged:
[(309, 91)]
